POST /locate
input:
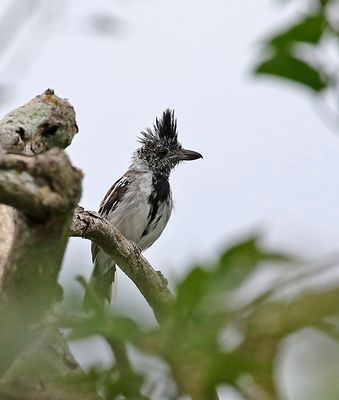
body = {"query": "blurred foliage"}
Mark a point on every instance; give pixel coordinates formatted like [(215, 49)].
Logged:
[(212, 335), (196, 340), (209, 337), (293, 52)]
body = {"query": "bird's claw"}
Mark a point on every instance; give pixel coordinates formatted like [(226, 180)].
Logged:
[(163, 279), (137, 250)]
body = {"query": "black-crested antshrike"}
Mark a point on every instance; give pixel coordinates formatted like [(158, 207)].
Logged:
[(139, 204)]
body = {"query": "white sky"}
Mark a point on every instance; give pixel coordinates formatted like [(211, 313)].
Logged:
[(270, 165)]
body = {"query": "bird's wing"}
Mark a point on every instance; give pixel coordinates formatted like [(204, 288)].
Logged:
[(110, 202), (104, 267), (114, 196)]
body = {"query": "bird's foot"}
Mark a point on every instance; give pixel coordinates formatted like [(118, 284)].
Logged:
[(163, 279), (137, 250)]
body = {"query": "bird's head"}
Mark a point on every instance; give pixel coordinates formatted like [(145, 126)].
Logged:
[(160, 148)]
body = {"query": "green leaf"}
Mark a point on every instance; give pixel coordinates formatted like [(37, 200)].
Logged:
[(238, 261), (193, 288), (110, 327), (204, 289), (285, 65), (307, 30)]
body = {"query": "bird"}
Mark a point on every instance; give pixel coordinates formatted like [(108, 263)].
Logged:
[(140, 203)]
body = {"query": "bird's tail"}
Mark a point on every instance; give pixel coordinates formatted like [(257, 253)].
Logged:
[(102, 279)]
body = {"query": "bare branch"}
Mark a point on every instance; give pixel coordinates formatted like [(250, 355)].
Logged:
[(39, 185), (151, 283), (47, 188), (46, 122)]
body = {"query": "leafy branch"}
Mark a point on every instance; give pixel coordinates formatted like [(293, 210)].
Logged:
[(292, 53)]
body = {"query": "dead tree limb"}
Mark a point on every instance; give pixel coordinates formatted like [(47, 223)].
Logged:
[(39, 189), (45, 122), (152, 285)]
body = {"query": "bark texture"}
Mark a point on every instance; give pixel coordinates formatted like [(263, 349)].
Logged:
[(39, 189), (45, 122), (151, 283)]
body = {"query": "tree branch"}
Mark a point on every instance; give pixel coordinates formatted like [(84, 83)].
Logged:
[(43, 187), (152, 285), (40, 185), (45, 122)]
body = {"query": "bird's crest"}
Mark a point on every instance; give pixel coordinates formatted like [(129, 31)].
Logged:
[(164, 130)]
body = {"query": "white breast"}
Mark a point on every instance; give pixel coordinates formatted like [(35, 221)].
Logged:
[(160, 221), (131, 216)]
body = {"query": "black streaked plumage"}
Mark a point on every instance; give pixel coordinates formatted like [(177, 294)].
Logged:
[(160, 194), (114, 196)]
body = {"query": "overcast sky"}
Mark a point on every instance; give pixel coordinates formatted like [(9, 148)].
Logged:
[(270, 164)]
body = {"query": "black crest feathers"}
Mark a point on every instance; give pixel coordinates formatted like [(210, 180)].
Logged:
[(164, 130)]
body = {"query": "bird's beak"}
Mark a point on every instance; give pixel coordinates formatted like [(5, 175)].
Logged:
[(188, 155)]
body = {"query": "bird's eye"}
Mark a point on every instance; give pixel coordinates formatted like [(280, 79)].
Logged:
[(163, 152)]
